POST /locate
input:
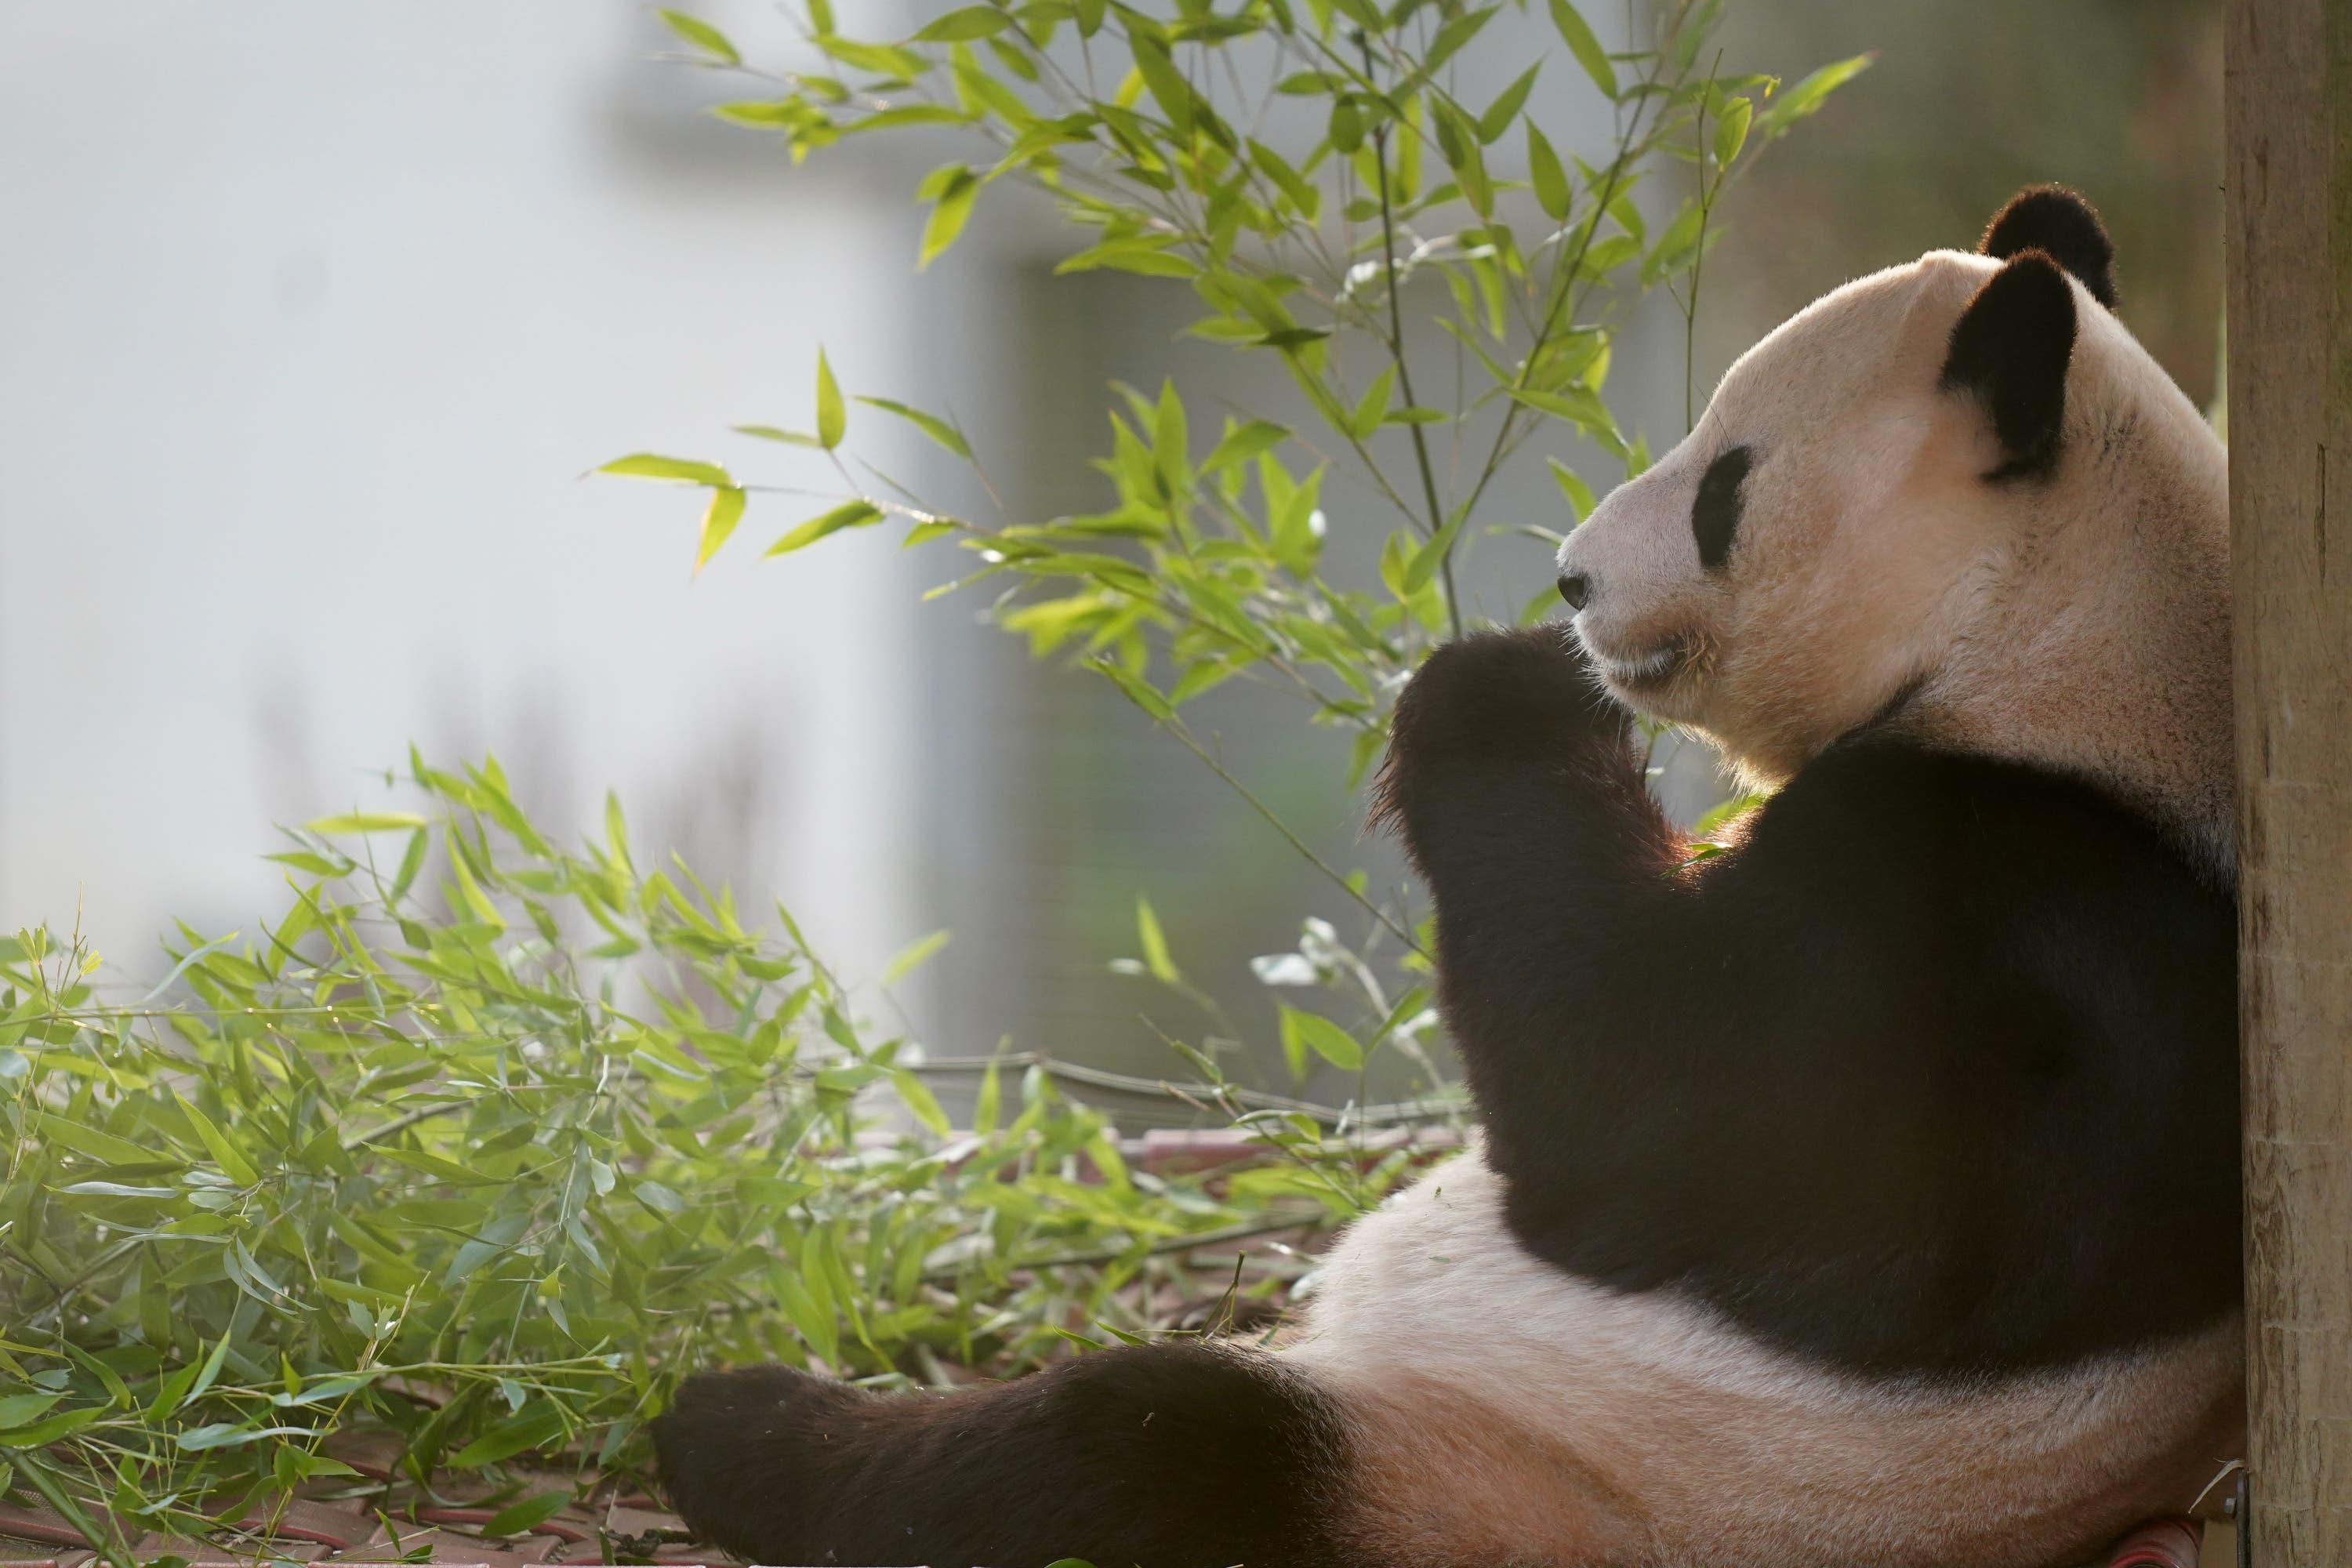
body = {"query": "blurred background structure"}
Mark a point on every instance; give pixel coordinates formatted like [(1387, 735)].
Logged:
[(310, 318)]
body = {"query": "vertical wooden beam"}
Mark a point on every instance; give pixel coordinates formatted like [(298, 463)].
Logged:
[(2289, 111)]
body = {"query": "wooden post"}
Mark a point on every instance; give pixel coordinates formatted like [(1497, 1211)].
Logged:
[(2289, 113)]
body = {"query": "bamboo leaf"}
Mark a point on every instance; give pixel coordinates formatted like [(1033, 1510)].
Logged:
[(1243, 443), (850, 514), (1166, 84), (1731, 130), (1373, 405), (39, 1434), (1783, 109), (1578, 494), (719, 520), (522, 1518), (87, 1140), (1545, 172), (1155, 944), (913, 956), (968, 25), (1320, 1035), (365, 822), (538, 1424), (773, 433), (832, 416), (1135, 688), (1574, 31), (21, 1409), (950, 212), (653, 466), (920, 1101), (702, 35), (937, 429), (1506, 105), (224, 1150)]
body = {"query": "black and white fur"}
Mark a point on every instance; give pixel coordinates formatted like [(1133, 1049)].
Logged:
[(1864, 1193)]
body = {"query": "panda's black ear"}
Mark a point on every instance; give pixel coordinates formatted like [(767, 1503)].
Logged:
[(2010, 352), (2056, 220)]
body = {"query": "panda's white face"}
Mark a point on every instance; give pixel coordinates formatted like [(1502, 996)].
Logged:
[(1797, 561)]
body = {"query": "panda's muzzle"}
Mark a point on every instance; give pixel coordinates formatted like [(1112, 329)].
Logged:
[(1655, 668), (1650, 668)]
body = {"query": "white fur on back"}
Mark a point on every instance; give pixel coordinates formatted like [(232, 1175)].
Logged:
[(1667, 1435)]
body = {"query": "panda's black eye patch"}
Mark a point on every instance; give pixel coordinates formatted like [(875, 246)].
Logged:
[(1714, 515)]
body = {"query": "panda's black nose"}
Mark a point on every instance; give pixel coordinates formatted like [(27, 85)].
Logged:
[(1576, 588)]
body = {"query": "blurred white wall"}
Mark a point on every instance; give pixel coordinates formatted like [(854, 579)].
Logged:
[(310, 318)]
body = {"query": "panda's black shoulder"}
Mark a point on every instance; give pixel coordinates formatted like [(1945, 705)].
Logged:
[(1930, 797), (1951, 835)]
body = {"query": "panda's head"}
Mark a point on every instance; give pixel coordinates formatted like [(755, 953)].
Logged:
[(1874, 482)]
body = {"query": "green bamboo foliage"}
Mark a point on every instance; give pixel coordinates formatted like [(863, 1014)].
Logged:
[(1209, 564), (536, 1129)]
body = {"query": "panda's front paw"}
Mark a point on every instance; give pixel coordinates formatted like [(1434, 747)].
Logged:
[(1502, 694), (741, 1455), (1498, 723)]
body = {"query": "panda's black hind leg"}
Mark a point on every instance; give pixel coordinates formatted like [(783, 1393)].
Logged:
[(1171, 1456), (747, 1456)]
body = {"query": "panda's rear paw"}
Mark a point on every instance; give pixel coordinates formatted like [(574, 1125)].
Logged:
[(739, 1454)]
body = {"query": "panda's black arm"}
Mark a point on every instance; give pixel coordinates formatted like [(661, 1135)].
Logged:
[(1513, 781), (1934, 1068)]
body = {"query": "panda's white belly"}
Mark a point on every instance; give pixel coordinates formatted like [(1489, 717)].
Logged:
[(1503, 1407)]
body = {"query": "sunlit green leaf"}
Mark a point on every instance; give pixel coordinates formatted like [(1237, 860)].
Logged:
[(906, 114), (1322, 1036), (719, 520), (1243, 443), (538, 1426), (965, 25), (365, 822), (949, 210), (1731, 130), (522, 1518), (921, 1102), (702, 35), (832, 416), (1135, 688), (1167, 86), (651, 466), (1155, 944), (913, 956), (1574, 31), (87, 1140), (39, 1434), (785, 111), (1506, 105), (1550, 179), (21, 1409), (937, 429), (1145, 255), (773, 433), (849, 514), (1373, 405), (1578, 494), (1783, 109)]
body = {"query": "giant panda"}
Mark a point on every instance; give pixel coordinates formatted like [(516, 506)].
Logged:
[(1864, 1193)]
